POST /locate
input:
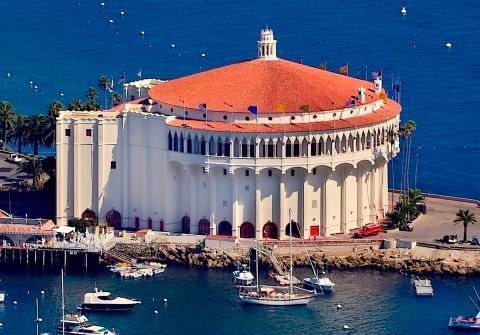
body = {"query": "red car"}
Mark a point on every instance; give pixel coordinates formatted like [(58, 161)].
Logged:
[(371, 229)]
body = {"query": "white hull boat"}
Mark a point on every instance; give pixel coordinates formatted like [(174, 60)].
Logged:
[(275, 296), (243, 276), (104, 301), (323, 284), (423, 288), (2, 297)]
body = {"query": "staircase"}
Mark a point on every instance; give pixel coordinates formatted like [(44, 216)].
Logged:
[(117, 256), (268, 251)]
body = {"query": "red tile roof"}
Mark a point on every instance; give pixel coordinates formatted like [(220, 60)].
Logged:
[(23, 229), (264, 84), (387, 112)]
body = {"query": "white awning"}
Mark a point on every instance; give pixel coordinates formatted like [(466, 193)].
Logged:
[(64, 229)]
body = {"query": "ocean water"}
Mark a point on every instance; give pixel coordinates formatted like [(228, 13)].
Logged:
[(63, 46), (204, 302)]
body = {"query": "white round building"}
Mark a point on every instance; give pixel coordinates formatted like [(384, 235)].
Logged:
[(231, 151)]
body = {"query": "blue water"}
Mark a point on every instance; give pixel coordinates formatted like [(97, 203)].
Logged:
[(204, 302), (63, 46)]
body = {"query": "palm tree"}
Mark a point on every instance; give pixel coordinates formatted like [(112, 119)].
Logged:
[(406, 209), (92, 105), (91, 94), (54, 108), (391, 139), (32, 167), (104, 85), (117, 99), (7, 115), (415, 197), (412, 127), (395, 219), (49, 131), (464, 217), (18, 130), (36, 125), (75, 105)]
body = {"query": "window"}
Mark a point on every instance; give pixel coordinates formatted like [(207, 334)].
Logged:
[(224, 117), (269, 173), (225, 203), (67, 132), (113, 165), (270, 118), (204, 184), (314, 170), (247, 118), (315, 116), (204, 115), (224, 172), (132, 97), (88, 132), (171, 110), (247, 173), (292, 173), (292, 118), (314, 204), (247, 188)]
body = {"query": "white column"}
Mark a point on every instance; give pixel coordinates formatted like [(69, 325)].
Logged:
[(193, 202), (373, 193), (385, 188), (323, 204), (283, 210), (343, 202), (235, 223), (258, 207), (360, 182), (307, 207), (100, 171), (126, 220), (213, 201), (78, 131)]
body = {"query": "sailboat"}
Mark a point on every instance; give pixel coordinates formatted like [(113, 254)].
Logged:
[(269, 295), (77, 324), (467, 323)]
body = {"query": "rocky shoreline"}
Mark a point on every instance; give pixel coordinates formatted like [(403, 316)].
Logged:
[(452, 263)]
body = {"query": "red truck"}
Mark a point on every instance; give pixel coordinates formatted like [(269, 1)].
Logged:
[(370, 229)]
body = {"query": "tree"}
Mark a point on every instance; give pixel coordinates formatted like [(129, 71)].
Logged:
[(395, 219), (91, 94), (49, 131), (117, 99), (392, 136), (7, 116), (415, 197), (54, 108), (19, 128), (92, 105), (75, 105), (36, 128), (32, 167), (104, 84), (406, 209), (464, 217)]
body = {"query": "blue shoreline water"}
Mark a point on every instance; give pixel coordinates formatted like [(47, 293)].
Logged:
[(204, 302), (63, 46)]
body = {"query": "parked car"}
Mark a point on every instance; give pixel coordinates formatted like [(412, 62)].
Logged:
[(406, 227), (371, 229), (475, 240), (450, 239), (15, 158)]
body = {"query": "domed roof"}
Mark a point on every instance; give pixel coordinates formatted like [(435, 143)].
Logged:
[(264, 83)]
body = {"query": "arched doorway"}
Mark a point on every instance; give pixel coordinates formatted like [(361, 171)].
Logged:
[(225, 228), (34, 240), (114, 219), (204, 227), (270, 230), (162, 225), (186, 225), (89, 215), (247, 230), (295, 231), (6, 241), (149, 223)]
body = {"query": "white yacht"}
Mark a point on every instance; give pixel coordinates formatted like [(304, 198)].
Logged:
[(243, 276), (75, 324), (104, 301), (323, 284), (2, 296)]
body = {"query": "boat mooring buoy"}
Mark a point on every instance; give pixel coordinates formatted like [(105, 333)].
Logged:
[(42, 292), (15, 302), (448, 45), (111, 21), (346, 327), (122, 13), (165, 300), (339, 306), (172, 45), (155, 311)]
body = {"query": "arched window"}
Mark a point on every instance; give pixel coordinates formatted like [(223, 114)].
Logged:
[(369, 140), (350, 143), (344, 144), (321, 147), (89, 215), (304, 147), (189, 144), (181, 148), (219, 147), (236, 148), (244, 148), (226, 147), (279, 152), (175, 142), (337, 144), (211, 146), (296, 148), (288, 148), (196, 145), (170, 145), (203, 146), (252, 148), (313, 147), (329, 146), (261, 149), (114, 219), (270, 151), (363, 141)]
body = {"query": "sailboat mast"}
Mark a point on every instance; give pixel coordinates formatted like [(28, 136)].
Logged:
[(256, 263), (37, 320), (63, 306), (291, 256)]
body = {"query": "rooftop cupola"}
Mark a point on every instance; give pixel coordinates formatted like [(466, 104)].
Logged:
[(267, 45)]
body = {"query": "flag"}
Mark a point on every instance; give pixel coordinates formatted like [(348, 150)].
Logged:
[(139, 73), (253, 109), (323, 66), (202, 107), (122, 79), (280, 108), (305, 108), (344, 69)]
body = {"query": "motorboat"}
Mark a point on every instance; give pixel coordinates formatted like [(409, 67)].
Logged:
[(76, 324), (423, 288), (104, 301), (403, 10), (323, 284), (2, 296), (243, 276)]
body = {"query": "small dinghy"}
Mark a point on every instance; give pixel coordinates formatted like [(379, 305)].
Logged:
[(423, 288), (243, 276)]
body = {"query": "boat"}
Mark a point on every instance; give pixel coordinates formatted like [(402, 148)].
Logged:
[(403, 10), (77, 324), (267, 295), (104, 301), (2, 296), (284, 280), (469, 322), (243, 276), (323, 284), (423, 288)]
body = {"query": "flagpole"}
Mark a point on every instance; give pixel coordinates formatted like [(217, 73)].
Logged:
[(347, 70), (366, 72)]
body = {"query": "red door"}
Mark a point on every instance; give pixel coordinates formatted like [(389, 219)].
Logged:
[(314, 231)]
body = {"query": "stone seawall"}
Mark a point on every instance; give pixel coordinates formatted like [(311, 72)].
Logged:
[(448, 262)]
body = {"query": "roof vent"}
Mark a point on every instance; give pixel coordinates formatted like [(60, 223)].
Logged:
[(267, 45)]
